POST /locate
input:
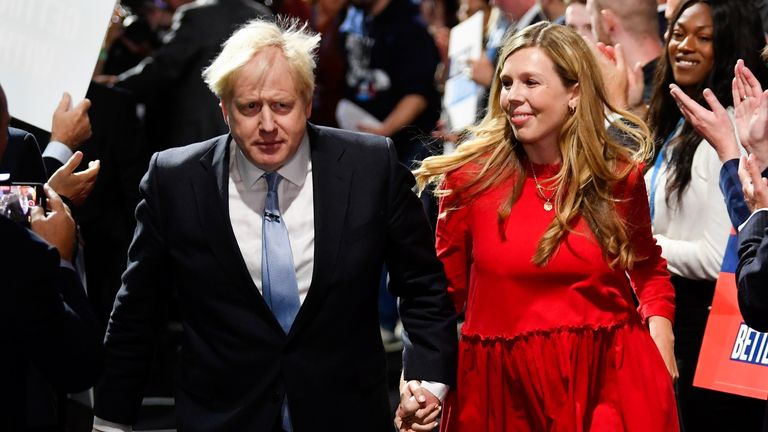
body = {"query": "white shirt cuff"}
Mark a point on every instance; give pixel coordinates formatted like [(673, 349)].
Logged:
[(107, 426), (440, 390), (58, 151), (750, 217)]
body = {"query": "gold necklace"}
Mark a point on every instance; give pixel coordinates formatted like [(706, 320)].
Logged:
[(540, 190)]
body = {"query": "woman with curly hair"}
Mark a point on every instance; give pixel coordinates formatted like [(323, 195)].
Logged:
[(544, 233)]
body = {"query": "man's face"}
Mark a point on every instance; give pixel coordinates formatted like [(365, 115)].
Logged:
[(514, 9), (598, 25), (266, 114)]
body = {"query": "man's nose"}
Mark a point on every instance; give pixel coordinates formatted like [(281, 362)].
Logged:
[(267, 120)]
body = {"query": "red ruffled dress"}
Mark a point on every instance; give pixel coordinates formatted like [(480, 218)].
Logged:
[(560, 348)]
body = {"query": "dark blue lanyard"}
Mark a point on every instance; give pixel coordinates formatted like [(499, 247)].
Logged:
[(657, 167)]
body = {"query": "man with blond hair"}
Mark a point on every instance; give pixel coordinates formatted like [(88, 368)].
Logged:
[(274, 236)]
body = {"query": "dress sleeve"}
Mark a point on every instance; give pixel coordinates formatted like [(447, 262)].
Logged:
[(649, 276), (454, 244)]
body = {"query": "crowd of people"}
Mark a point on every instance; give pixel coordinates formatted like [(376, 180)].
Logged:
[(553, 271)]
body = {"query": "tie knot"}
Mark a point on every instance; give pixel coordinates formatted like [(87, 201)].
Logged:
[(273, 179)]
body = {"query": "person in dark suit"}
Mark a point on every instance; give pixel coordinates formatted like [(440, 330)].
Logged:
[(173, 70), (274, 236), (752, 270), (47, 323)]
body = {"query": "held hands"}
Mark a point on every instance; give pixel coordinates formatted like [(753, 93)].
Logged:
[(75, 185), (71, 126), (418, 408), (623, 83), (754, 186), (57, 227), (664, 338)]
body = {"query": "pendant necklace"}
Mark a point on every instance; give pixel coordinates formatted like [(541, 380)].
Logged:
[(540, 190)]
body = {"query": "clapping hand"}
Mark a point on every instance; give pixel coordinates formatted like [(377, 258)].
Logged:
[(755, 186), (751, 113), (714, 126)]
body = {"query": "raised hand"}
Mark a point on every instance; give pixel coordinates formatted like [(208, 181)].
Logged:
[(71, 125), (751, 113), (715, 125), (75, 185)]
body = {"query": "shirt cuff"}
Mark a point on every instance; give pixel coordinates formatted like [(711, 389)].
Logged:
[(58, 151), (440, 390), (107, 426), (750, 217)]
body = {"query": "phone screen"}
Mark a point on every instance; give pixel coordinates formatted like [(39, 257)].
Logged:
[(17, 200)]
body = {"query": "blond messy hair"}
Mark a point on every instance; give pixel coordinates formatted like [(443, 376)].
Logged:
[(592, 161), (290, 35)]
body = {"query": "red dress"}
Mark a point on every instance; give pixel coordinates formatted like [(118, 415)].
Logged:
[(558, 348)]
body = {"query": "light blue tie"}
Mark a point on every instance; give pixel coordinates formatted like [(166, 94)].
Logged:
[(278, 275)]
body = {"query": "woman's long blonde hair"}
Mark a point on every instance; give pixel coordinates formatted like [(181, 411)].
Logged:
[(592, 160)]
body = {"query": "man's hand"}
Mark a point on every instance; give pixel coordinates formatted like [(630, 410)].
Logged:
[(418, 408), (714, 126), (662, 335), (58, 227), (71, 126), (754, 186), (613, 68), (481, 71), (76, 186)]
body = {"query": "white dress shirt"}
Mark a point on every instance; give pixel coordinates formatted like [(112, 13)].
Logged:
[(247, 195)]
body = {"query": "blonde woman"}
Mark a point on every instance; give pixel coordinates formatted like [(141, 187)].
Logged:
[(544, 232)]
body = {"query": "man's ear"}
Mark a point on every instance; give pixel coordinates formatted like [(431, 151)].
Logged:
[(308, 108), (610, 20), (224, 111)]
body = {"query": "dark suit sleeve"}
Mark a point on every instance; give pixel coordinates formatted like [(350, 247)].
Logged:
[(752, 272), (49, 311), (730, 185), (417, 278), (51, 164), (22, 158), (137, 314), (171, 60)]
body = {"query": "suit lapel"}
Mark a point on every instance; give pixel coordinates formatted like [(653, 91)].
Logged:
[(331, 178), (212, 198)]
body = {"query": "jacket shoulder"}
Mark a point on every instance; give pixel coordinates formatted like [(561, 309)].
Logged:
[(179, 157)]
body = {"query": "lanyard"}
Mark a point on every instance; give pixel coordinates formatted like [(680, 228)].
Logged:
[(657, 167)]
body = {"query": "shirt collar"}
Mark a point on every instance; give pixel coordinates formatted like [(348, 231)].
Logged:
[(295, 170)]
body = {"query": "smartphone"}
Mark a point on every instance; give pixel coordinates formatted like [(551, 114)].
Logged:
[(18, 199)]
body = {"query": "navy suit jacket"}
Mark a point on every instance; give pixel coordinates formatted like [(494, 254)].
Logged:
[(752, 272), (236, 363), (46, 322), (22, 158)]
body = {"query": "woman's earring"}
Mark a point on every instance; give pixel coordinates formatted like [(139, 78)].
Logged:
[(571, 109)]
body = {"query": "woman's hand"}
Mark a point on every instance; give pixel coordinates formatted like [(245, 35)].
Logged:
[(662, 335), (750, 105), (418, 408), (714, 126)]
